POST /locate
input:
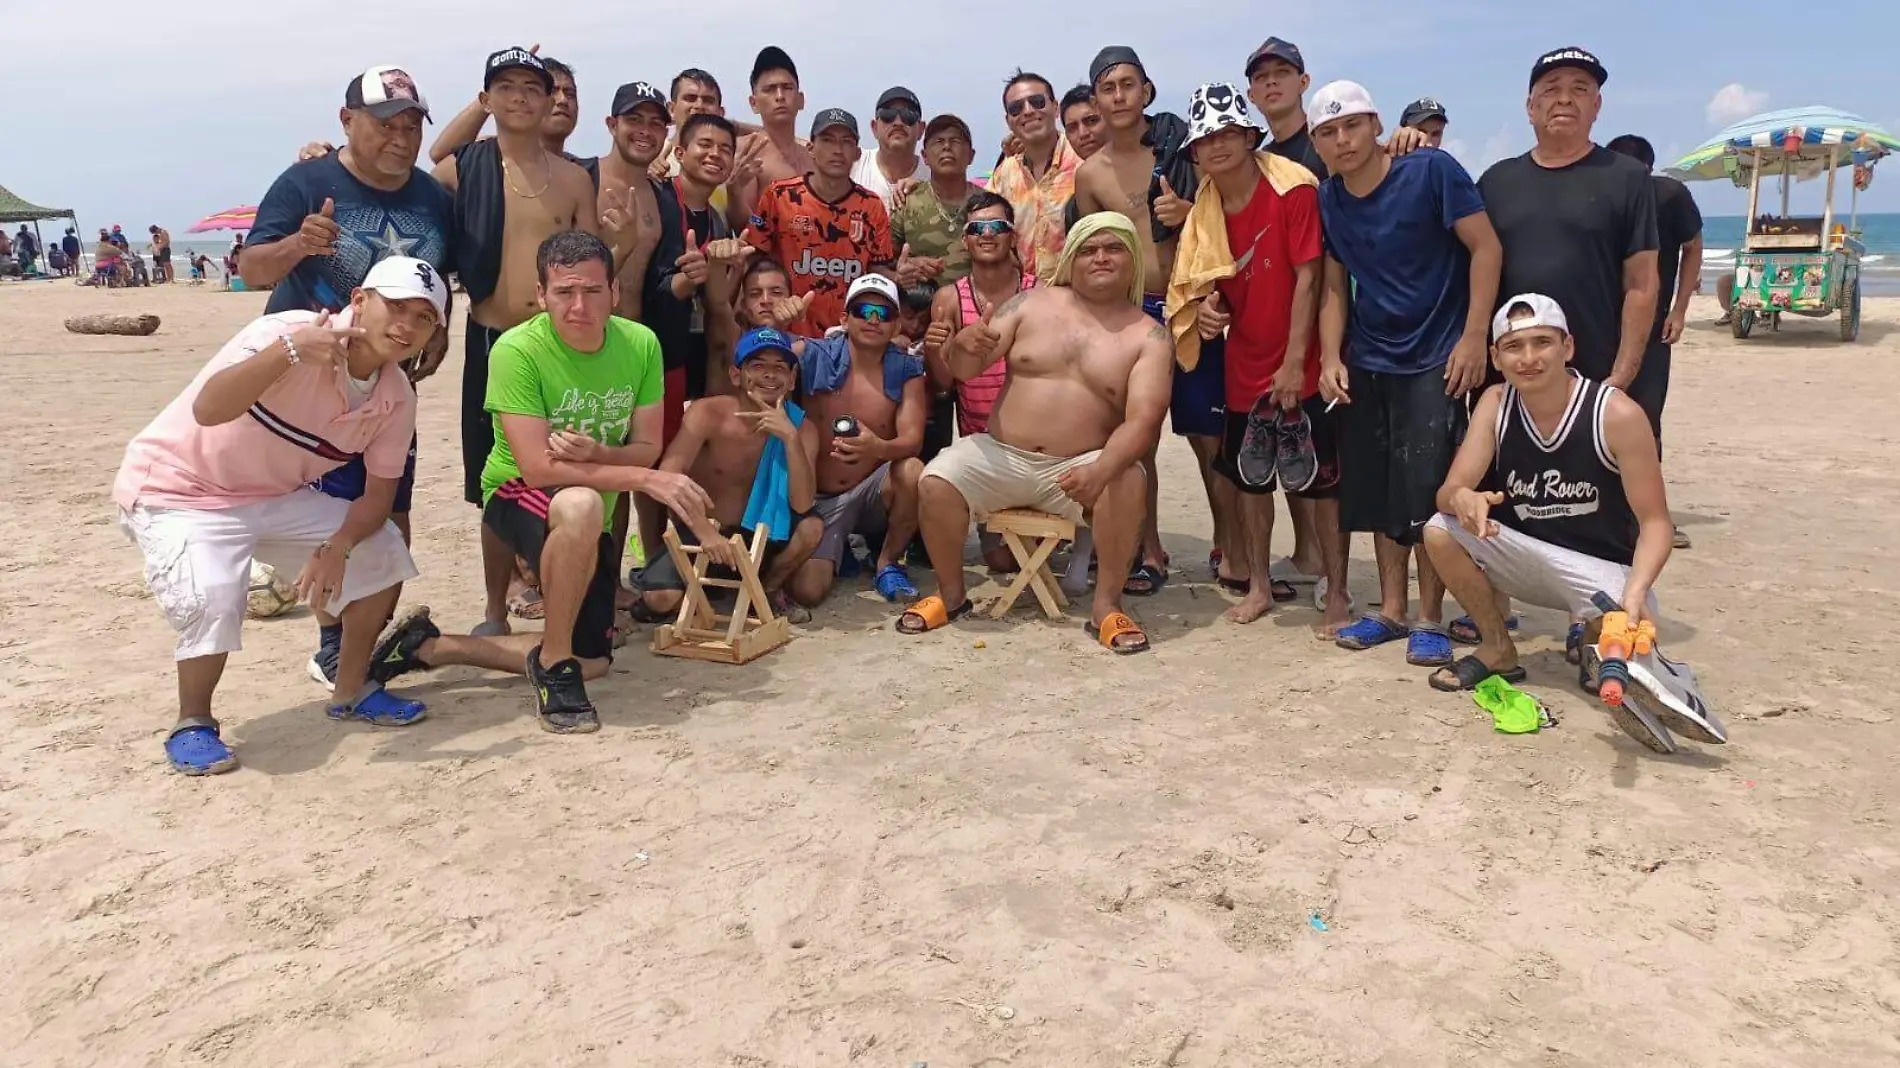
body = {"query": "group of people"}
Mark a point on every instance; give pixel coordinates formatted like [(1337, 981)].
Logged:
[(771, 327)]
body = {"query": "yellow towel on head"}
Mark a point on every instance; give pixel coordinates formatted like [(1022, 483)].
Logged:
[(1090, 225), (1203, 257)]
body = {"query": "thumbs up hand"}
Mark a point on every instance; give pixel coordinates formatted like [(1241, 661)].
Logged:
[(980, 339), (692, 264), (317, 236), (788, 310), (1212, 320), (1169, 209)]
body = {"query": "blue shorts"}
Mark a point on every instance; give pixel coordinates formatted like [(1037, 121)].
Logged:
[(347, 482), (1199, 405)]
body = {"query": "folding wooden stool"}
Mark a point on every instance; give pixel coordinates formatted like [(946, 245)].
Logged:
[(1014, 525), (750, 631)]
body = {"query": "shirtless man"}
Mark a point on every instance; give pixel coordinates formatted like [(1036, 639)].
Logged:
[(466, 126), (1087, 388), (162, 255), (776, 153), (637, 124), (721, 446)]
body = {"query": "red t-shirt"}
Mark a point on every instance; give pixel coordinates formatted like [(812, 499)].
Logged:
[(1269, 236), (823, 245)]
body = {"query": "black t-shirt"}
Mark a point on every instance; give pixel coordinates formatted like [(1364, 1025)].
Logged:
[(1299, 148), (1678, 222), (1566, 232)]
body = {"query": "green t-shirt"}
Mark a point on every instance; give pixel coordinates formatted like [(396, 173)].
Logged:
[(531, 371), (934, 230)]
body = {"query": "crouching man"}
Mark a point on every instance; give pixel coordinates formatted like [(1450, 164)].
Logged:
[(222, 477)]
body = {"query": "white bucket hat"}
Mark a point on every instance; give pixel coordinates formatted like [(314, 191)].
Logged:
[(1216, 106)]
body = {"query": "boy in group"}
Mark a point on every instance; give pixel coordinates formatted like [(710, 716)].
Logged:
[(575, 396), (223, 475), (869, 400), (1412, 233), (756, 455)]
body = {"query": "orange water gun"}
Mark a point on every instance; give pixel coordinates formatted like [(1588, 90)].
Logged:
[(1618, 643)]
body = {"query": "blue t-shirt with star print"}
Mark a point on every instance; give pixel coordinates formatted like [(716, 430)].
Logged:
[(416, 220)]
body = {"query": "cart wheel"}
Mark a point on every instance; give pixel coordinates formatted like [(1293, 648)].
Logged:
[(1850, 309), (1741, 323)]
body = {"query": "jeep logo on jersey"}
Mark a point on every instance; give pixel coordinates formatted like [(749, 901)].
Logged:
[(817, 266)]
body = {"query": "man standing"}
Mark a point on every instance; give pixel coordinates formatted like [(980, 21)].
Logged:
[(563, 113), (1081, 123), (928, 228), (825, 228), (321, 227), (1427, 116), (575, 398), (777, 154), (1039, 181), (894, 126), (69, 244), (637, 123), (161, 254), (1087, 390), (1578, 221), (1411, 233)]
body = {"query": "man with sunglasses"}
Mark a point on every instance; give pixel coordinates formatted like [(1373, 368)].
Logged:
[(1039, 180), (895, 125), (929, 224), (868, 399)]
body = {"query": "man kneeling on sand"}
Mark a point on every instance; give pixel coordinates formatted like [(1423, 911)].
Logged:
[(756, 454), (223, 476), (575, 394), (1088, 381)]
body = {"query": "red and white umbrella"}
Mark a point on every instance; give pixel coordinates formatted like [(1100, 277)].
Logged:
[(239, 218)]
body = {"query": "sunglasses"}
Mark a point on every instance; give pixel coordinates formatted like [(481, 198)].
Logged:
[(907, 116), (987, 228), (1033, 100), (872, 312)]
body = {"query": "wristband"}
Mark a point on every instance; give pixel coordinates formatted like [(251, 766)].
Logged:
[(290, 350), (327, 544)]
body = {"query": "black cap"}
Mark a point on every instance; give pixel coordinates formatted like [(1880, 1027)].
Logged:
[(772, 58), (516, 58), (1275, 48), (633, 94), (830, 117), (1114, 56), (1421, 109), (898, 93), (1570, 56), (948, 122)]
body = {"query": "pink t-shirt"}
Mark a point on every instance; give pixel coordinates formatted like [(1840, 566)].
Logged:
[(300, 429)]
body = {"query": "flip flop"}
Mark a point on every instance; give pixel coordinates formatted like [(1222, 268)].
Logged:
[(1468, 672), (1464, 630), (1285, 569), (1371, 629), (380, 708), (1153, 577), (526, 604), (1427, 646), (1237, 587), (1113, 628), (931, 613), (793, 612), (1573, 645), (1679, 540), (893, 584), (194, 747)]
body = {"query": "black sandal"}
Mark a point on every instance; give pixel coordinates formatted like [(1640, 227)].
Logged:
[(1469, 672)]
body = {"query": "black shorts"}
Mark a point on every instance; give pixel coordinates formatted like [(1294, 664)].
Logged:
[(1401, 433), (939, 423), (163, 255), (1325, 448), (478, 423), (518, 514), (660, 574), (1650, 390)]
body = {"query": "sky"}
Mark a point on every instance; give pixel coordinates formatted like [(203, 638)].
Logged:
[(208, 100)]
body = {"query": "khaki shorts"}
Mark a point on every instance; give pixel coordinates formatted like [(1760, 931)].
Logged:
[(993, 477)]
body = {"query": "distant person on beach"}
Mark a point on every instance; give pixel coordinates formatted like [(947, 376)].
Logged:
[(161, 254), (26, 249), (222, 477), (69, 244), (200, 268), (118, 238), (775, 154)]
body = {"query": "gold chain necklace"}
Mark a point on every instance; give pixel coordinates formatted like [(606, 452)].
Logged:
[(547, 166)]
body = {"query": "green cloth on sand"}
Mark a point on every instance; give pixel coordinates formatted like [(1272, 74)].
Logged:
[(1512, 710)]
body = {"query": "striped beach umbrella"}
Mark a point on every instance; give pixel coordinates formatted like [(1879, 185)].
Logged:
[(1798, 141), (239, 218)]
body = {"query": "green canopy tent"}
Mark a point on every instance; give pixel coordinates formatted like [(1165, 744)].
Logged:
[(15, 210)]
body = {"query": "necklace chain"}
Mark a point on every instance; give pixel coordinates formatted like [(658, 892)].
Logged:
[(547, 167)]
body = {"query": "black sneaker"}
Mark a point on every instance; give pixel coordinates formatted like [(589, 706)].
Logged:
[(1298, 460), (395, 654), (322, 665), (560, 697)]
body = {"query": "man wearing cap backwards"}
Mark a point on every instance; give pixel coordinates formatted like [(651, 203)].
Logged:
[(575, 397), (756, 454), (824, 228), (325, 222), (1039, 180), (222, 477), (1578, 221), (1086, 391), (1411, 232), (1427, 116), (1579, 506), (895, 126), (776, 154)]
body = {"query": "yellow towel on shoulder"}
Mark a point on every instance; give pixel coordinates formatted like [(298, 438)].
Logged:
[(1203, 258)]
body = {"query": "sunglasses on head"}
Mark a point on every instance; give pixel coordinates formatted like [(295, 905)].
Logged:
[(872, 312), (907, 116), (987, 227), (1033, 100)]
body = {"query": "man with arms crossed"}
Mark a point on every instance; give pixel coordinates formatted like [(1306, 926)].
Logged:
[(1086, 393), (575, 393), (222, 476), (1412, 233)]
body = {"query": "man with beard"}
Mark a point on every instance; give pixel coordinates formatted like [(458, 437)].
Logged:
[(894, 126), (775, 154), (1039, 180)]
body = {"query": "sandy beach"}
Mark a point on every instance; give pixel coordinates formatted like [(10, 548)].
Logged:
[(994, 846)]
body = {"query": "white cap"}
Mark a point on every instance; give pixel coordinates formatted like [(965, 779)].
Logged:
[(1336, 100), (1216, 106), (1543, 312), (877, 285), (403, 278)]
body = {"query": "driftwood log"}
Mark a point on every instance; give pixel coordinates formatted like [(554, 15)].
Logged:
[(128, 325)]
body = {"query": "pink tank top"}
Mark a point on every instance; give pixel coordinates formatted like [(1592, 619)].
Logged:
[(976, 398)]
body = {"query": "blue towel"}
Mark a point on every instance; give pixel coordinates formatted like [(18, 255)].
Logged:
[(771, 500)]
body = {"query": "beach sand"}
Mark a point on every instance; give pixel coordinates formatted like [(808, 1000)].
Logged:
[(994, 846)]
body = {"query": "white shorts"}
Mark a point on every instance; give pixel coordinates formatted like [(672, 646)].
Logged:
[(198, 562), (1537, 572), (993, 477)]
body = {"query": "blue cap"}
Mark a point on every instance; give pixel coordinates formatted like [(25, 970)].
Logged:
[(756, 341)]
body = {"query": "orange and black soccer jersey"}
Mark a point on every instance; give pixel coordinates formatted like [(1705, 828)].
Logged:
[(822, 244)]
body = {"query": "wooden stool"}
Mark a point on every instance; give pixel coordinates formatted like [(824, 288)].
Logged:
[(750, 631), (1014, 525)]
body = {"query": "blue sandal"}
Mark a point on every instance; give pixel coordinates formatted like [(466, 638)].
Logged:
[(194, 748), (1371, 629), (1428, 646), (380, 708), (894, 585)]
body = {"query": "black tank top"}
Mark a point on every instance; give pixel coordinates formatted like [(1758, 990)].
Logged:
[(1567, 489)]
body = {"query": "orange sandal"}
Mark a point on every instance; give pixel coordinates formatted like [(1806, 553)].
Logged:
[(931, 613), (1113, 629)]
